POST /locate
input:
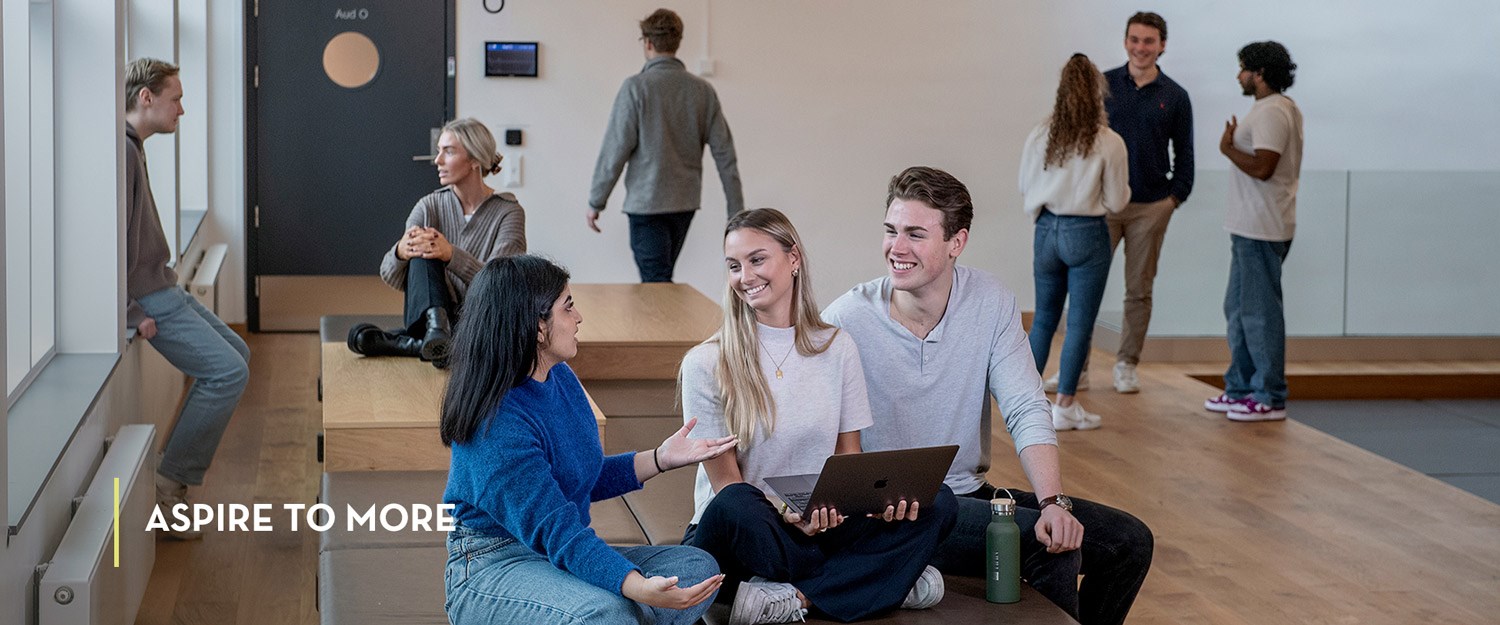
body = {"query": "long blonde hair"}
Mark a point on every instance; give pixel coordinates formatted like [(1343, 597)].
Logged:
[(743, 390)]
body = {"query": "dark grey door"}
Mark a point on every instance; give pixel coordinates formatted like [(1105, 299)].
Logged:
[(343, 95)]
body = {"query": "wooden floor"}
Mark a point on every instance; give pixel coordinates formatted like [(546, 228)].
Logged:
[(1254, 523)]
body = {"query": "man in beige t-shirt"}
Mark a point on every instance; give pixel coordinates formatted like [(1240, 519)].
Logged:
[(1266, 150)]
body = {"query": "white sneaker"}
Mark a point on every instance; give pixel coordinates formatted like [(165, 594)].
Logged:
[(927, 592), (760, 601), (1050, 384), (1126, 380), (170, 492), (1073, 417)]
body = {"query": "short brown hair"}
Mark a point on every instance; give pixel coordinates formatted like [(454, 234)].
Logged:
[(938, 189), (146, 74), (1147, 18), (663, 29)]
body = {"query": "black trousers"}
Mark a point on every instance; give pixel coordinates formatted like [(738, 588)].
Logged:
[(426, 287), (860, 569), (1113, 560), (656, 240)]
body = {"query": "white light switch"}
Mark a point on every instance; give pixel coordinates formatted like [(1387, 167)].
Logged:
[(510, 172)]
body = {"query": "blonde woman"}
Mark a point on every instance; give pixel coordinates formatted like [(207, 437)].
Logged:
[(1074, 171), (791, 389), (449, 236)]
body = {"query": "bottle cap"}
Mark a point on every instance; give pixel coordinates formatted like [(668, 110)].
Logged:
[(1003, 506)]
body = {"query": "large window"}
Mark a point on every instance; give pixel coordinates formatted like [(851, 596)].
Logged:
[(30, 233)]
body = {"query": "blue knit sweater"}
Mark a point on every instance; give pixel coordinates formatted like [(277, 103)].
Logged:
[(530, 472)]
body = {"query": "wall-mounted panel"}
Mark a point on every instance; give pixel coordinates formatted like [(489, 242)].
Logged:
[(1422, 253)]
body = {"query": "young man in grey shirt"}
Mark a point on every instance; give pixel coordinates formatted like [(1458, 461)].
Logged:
[(937, 340), (662, 118), (188, 335)]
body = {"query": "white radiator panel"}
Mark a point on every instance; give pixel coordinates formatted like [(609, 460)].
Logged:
[(81, 585), (204, 285)]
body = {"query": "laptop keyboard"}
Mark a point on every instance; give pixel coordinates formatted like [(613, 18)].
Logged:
[(799, 500)]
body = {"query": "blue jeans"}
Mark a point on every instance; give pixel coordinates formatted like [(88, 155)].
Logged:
[(657, 240), (1114, 558), (493, 580), (1071, 256), (196, 342), (1257, 324)]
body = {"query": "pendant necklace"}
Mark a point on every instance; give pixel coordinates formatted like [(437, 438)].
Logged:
[(788, 354)]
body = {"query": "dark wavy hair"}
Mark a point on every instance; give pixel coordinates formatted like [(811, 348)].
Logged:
[(495, 342), (1078, 113), (1272, 61)]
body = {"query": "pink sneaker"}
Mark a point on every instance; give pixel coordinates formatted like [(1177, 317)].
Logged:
[(1251, 410), (1223, 403)]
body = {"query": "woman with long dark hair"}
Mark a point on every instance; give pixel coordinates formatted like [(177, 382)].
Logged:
[(526, 464), (449, 235), (1074, 170), (790, 388)]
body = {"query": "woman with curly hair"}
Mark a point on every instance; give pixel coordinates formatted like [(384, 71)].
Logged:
[(1074, 170)]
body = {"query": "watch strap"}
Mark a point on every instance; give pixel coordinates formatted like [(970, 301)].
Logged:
[(1055, 500)]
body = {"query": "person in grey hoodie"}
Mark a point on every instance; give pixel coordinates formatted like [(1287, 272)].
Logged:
[(662, 118), (188, 335)]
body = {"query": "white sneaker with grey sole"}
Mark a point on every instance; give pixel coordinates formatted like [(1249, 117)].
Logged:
[(761, 601), (1074, 417), (1126, 380), (927, 592)]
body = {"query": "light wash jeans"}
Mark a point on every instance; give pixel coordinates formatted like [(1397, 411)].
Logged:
[(495, 581), (196, 342), (1257, 324), (1071, 257)]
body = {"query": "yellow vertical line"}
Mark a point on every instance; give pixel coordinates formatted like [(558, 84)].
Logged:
[(117, 523)]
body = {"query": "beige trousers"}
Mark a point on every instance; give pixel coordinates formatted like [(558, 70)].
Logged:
[(1143, 228)]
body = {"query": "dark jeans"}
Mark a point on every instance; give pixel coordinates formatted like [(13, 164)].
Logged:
[(860, 569), (1114, 558), (656, 240), (1071, 256), (1257, 324), (426, 287)]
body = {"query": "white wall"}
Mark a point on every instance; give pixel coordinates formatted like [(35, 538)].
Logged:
[(828, 99), (225, 112)]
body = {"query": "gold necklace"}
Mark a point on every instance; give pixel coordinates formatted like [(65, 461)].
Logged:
[(785, 356)]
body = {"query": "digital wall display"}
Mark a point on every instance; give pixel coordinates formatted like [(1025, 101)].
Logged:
[(510, 58)]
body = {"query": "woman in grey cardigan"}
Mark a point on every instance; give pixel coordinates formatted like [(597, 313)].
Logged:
[(449, 236)]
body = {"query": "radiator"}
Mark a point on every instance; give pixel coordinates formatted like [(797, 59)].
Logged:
[(202, 277), (82, 585)]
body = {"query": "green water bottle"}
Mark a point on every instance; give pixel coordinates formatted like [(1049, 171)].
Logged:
[(1002, 553)]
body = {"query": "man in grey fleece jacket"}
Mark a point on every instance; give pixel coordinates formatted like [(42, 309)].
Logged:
[(184, 332), (662, 118)]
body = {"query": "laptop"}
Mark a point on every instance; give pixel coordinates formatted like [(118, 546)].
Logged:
[(859, 484)]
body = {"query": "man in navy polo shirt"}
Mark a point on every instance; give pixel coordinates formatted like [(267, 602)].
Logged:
[(1150, 111)]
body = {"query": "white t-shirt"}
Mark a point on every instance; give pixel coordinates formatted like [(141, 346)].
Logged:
[(1089, 186), (1266, 210), (816, 399)]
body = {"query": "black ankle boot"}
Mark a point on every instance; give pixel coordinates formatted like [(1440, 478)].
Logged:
[(367, 339), (439, 333)]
